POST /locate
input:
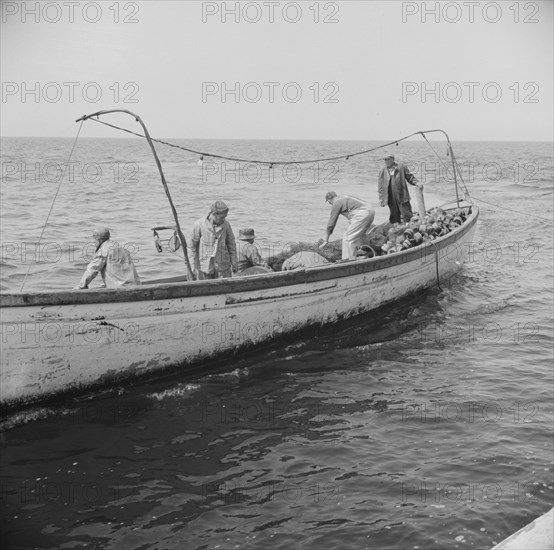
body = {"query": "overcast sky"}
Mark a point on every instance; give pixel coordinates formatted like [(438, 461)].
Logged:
[(366, 70)]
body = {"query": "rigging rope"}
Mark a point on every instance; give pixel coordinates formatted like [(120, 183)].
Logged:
[(515, 211), (466, 192), (52, 205), (273, 163), (467, 195), (266, 162), (473, 197)]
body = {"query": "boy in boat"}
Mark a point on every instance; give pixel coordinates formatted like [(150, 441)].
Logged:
[(213, 247), (360, 216), (112, 261), (247, 252), (394, 191)]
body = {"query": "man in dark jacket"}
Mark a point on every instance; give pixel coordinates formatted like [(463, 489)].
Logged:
[(212, 245), (248, 254), (394, 191)]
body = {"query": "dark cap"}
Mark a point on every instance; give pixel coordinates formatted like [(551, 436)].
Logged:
[(330, 195), (219, 207), (102, 232)]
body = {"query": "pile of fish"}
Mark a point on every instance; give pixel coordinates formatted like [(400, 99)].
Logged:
[(388, 238)]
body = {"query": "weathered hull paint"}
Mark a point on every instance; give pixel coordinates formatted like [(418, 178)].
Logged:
[(71, 341)]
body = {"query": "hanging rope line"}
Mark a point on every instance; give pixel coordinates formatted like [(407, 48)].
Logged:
[(466, 192), (52, 205), (271, 163), (266, 162), (467, 195), (473, 197), (515, 211), (456, 165)]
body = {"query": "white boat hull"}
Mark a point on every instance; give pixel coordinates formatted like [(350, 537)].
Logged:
[(72, 341)]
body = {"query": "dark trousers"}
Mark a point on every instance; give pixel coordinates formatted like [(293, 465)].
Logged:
[(399, 209)]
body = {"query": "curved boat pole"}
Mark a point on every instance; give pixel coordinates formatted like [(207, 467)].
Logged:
[(451, 157), (190, 275)]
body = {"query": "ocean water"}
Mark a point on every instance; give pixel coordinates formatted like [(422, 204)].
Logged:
[(424, 425)]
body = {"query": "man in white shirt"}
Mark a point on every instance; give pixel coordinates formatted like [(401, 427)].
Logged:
[(112, 261), (360, 217)]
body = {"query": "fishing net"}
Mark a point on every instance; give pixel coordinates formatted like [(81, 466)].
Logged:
[(332, 252)]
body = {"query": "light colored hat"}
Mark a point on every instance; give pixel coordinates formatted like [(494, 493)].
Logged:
[(246, 234), (102, 232), (330, 195), (219, 207), (388, 157)]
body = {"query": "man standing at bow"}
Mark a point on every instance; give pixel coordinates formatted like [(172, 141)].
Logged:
[(394, 191), (360, 216), (213, 247)]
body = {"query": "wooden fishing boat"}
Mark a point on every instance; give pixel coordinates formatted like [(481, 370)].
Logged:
[(71, 341)]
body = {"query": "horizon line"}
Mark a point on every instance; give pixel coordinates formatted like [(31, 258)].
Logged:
[(282, 139)]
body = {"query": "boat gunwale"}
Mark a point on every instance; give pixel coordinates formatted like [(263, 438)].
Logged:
[(187, 289)]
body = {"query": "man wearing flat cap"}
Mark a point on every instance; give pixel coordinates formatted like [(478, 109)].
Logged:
[(213, 247), (112, 261), (247, 252), (394, 191)]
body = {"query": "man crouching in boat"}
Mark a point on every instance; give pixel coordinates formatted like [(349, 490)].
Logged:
[(112, 261), (213, 247), (247, 252), (360, 216)]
